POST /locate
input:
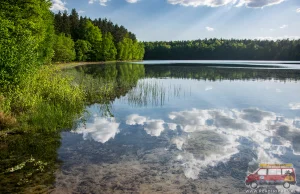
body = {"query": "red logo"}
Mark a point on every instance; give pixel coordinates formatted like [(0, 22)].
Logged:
[(272, 174)]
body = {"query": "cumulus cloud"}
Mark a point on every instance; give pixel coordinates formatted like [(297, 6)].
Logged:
[(99, 129), (172, 126), (294, 106), (210, 136), (210, 29), (58, 5), (283, 26), (298, 10), (151, 126), (135, 119), (214, 135), (132, 1), (101, 2), (218, 3), (258, 3), (154, 127)]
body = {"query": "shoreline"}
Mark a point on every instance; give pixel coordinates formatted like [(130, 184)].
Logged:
[(75, 64)]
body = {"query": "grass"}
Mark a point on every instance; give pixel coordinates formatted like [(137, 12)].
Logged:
[(44, 101)]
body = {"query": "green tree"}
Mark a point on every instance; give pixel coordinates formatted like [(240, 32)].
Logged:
[(66, 26), (64, 49), (93, 35), (109, 50), (82, 48), (25, 38), (74, 24)]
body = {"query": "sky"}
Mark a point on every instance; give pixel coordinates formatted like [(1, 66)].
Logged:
[(157, 20)]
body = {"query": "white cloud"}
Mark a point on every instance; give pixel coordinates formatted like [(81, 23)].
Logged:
[(298, 10), (99, 129), (278, 37), (172, 126), (205, 127), (81, 12), (101, 2), (294, 106), (154, 127), (258, 3), (283, 26), (178, 141), (132, 1), (269, 135), (135, 119), (208, 88), (210, 29), (196, 3), (58, 5), (151, 126), (217, 3)]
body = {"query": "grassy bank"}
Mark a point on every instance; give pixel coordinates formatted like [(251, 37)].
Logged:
[(46, 100)]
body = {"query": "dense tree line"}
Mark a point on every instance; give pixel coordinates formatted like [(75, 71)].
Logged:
[(95, 40), (223, 49), (203, 72)]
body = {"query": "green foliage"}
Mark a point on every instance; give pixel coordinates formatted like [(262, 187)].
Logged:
[(93, 35), (109, 50), (64, 49), (105, 38), (82, 49), (26, 37), (35, 19), (46, 100), (17, 53), (222, 49)]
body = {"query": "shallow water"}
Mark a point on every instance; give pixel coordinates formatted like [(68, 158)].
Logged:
[(184, 127)]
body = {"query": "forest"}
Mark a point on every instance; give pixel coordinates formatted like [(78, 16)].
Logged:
[(83, 39), (223, 49), (38, 96)]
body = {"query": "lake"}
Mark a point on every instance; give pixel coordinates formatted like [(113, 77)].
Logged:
[(179, 127)]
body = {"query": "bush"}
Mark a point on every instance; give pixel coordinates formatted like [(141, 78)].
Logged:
[(46, 100), (17, 53)]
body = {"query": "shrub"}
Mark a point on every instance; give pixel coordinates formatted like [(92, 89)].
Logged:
[(46, 100)]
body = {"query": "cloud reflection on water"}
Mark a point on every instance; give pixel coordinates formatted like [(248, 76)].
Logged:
[(214, 135), (99, 129), (151, 126)]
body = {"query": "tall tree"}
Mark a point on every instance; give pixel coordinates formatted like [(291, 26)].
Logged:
[(82, 48), (66, 26), (109, 50), (64, 49), (93, 35), (74, 24)]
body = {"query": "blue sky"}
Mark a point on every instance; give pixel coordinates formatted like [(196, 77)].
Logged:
[(153, 20)]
